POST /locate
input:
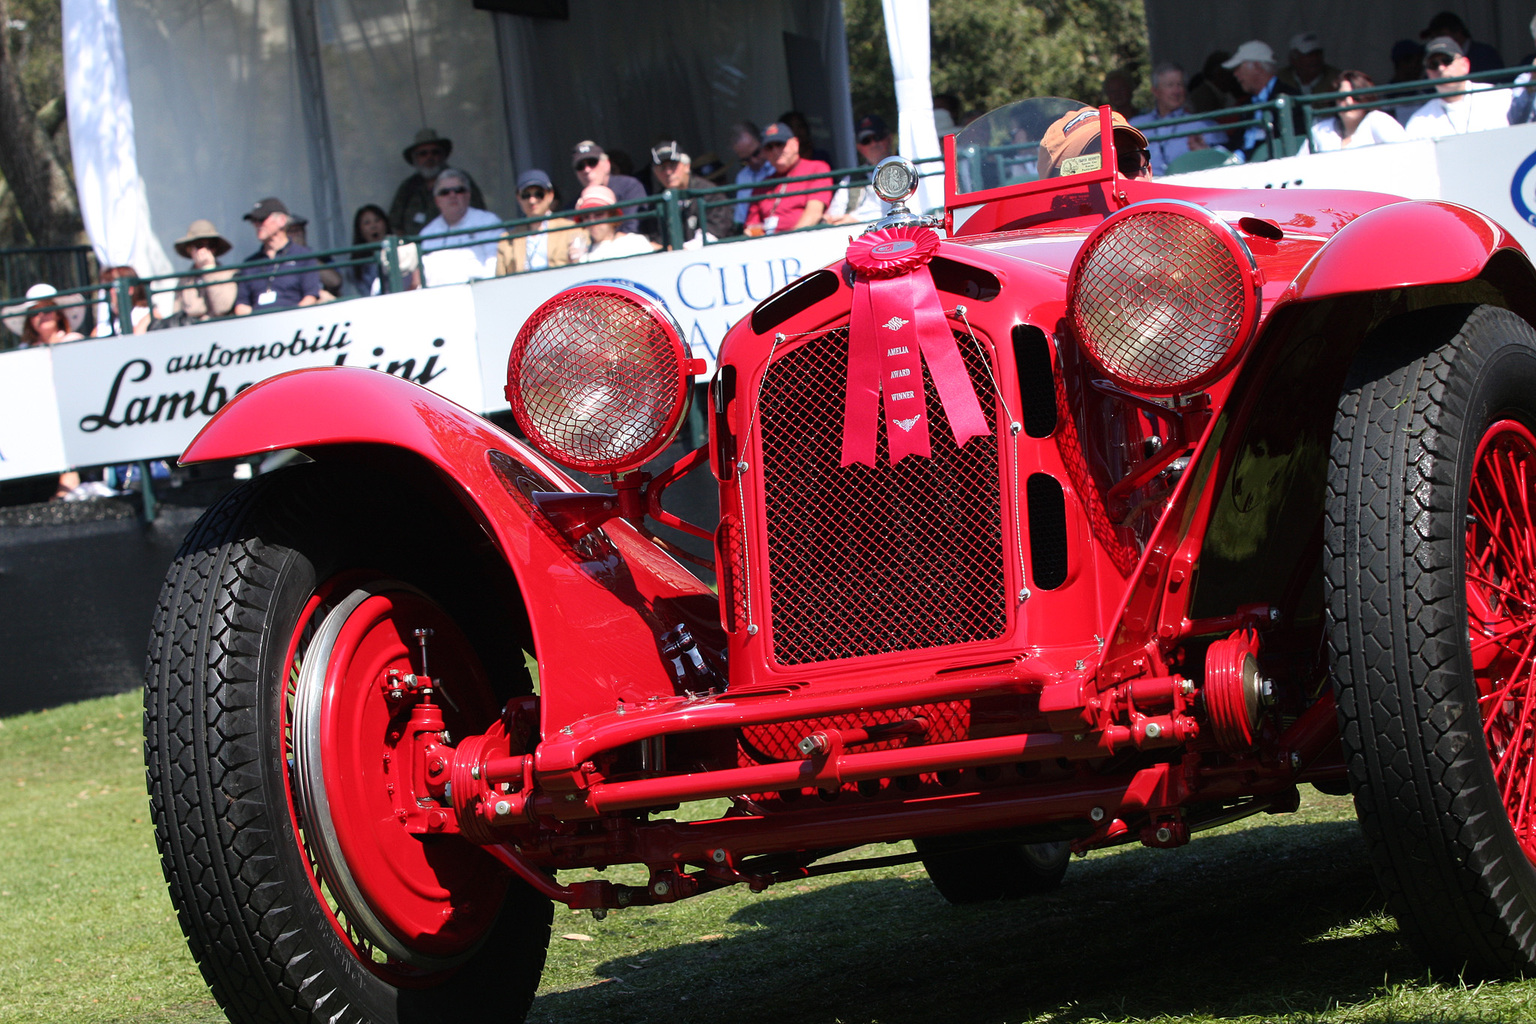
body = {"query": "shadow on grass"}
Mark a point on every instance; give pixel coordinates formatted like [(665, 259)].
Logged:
[(1268, 921)]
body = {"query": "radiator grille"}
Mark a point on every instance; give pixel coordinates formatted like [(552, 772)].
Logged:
[(732, 559), (764, 744), (868, 560)]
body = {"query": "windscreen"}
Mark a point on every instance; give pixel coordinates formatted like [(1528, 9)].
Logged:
[(1002, 147)]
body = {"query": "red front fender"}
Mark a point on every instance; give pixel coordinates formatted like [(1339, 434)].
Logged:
[(1407, 244), (596, 624)]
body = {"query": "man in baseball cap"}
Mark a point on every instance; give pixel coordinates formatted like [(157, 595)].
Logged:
[(1480, 56), (1459, 107), (855, 201), (1308, 70), (592, 166), (787, 206), (672, 168), (273, 285), (1254, 67), (1071, 145), (414, 205)]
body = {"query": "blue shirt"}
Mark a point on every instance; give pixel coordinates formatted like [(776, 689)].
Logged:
[(263, 288), (1165, 150), (1258, 133), (747, 176)]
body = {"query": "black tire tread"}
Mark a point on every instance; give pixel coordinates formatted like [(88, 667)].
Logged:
[(178, 724), (202, 714), (1397, 641)]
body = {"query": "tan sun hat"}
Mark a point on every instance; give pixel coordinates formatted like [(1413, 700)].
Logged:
[(200, 229), (39, 296), (425, 136), (1062, 148)]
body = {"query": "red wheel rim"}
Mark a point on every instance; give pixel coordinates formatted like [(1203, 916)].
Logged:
[(406, 905), (1501, 613)]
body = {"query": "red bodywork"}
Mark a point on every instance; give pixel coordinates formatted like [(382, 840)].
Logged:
[(1051, 630)]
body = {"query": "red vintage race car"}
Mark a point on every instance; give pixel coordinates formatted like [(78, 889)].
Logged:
[(1112, 512)]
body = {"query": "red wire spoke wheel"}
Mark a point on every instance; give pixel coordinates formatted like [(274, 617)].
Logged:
[(1501, 613), (420, 902)]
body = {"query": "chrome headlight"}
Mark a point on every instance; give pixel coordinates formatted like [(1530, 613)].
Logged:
[(1163, 296), (599, 378)]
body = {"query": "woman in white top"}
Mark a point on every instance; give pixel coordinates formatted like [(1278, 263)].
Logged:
[(608, 242), (1352, 127)]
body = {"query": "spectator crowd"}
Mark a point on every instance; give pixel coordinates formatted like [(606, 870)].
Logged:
[(1253, 73), (444, 233)]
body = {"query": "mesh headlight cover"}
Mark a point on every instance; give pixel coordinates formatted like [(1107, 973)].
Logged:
[(599, 378), (1163, 296)]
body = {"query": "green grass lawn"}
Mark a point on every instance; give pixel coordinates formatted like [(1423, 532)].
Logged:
[(1271, 919)]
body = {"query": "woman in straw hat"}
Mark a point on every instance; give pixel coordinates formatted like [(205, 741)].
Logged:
[(208, 292), (44, 318)]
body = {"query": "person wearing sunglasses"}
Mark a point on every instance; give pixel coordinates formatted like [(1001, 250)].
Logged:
[(1072, 145), (747, 144), (208, 291), (271, 285), (777, 210), (414, 205), (554, 242), (1460, 107), (855, 201), (458, 258), (592, 166)]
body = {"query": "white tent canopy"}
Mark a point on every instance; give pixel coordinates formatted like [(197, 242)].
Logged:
[(313, 100)]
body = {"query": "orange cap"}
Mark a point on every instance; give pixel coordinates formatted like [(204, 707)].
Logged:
[(1062, 149)]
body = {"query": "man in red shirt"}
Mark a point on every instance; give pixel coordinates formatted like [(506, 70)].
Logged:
[(774, 211)]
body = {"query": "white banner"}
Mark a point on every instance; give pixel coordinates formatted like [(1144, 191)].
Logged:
[(707, 290), (30, 442), (147, 395), (1495, 173), (113, 203)]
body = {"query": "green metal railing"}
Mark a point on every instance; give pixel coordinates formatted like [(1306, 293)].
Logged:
[(665, 210), (1279, 116)]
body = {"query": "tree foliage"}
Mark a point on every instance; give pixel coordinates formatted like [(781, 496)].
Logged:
[(37, 197), (989, 53)]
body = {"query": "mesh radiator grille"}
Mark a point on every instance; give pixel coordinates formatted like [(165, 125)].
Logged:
[(764, 744), (868, 560)]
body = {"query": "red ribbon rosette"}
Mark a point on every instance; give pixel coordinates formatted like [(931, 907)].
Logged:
[(897, 322), (891, 252)]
